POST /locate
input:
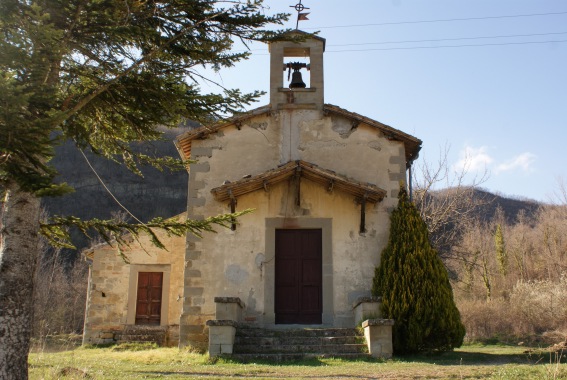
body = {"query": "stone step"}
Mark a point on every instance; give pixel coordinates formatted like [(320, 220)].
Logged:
[(136, 329), (307, 332), (139, 337), (294, 344), (147, 333), (290, 349), (156, 334), (296, 340), (287, 357)]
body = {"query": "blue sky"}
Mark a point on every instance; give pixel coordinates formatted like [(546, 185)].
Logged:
[(499, 103)]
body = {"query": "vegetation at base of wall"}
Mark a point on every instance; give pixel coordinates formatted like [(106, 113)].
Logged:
[(414, 286), (468, 362), (134, 346)]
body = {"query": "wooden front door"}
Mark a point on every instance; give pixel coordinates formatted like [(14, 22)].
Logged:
[(148, 301), (298, 287)]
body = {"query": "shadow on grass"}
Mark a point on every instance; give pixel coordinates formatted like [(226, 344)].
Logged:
[(306, 362), (463, 357), (254, 375)]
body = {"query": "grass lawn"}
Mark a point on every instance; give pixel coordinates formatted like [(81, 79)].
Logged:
[(469, 362)]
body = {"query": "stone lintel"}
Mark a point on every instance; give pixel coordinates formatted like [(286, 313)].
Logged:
[(236, 300)]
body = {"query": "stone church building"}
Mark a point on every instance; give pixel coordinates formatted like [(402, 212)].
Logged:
[(321, 182)]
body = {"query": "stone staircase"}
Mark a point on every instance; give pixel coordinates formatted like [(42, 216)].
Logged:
[(294, 344), (140, 333)]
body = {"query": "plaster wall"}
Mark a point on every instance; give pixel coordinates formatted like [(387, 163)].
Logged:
[(234, 263), (262, 143), (237, 260)]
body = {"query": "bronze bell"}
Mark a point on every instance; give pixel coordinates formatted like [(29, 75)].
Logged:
[(297, 80)]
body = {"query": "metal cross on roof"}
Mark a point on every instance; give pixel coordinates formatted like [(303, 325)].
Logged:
[(301, 16)]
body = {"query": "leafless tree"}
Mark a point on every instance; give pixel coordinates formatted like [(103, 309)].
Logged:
[(446, 199), (60, 292)]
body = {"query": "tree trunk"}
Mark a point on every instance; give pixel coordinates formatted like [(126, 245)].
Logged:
[(19, 238)]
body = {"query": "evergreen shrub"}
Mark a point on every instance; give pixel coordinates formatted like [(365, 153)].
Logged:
[(414, 285)]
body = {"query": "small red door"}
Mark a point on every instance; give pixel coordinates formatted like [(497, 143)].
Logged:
[(148, 302), (298, 282)]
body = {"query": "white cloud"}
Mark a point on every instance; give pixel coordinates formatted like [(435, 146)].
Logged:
[(473, 159), (524, 162)]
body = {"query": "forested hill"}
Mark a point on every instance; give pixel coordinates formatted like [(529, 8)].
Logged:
[(156, 194), (512, 207)]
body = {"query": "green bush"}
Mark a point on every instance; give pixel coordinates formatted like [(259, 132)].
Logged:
[(415, 288)]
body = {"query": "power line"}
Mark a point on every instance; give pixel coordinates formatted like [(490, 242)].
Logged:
[(450, 39), (440, 20), (108, 190), (436, 47), (447, 46), (434, 40)]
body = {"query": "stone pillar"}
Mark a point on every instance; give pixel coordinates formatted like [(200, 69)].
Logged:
[(367, 308), (222, 330), (228, 308), (192, 331), (378, 335), (221, 336)]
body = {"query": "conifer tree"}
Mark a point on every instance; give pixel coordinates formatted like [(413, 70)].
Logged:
[(102, 74), (414, 286), (501, 255)]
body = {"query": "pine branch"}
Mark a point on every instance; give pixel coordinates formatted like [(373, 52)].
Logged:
[(56, 229)]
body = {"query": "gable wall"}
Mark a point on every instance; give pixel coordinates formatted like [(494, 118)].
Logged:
[(233, 263)]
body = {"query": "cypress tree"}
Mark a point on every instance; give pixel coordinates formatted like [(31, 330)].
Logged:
[(414, 285), (501, 254)]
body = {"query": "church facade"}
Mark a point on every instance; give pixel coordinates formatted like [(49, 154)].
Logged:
[(320, 182)]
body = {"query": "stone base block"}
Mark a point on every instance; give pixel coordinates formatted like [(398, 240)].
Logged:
[(221, 336), (378, 335)]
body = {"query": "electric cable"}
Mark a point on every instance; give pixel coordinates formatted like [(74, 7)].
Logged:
[(438, 20), (108, 190)]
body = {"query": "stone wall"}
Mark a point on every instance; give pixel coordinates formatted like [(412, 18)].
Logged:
[(111, 298)]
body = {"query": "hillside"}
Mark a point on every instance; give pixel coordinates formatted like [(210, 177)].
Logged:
[(512, 207), (156, 194)]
